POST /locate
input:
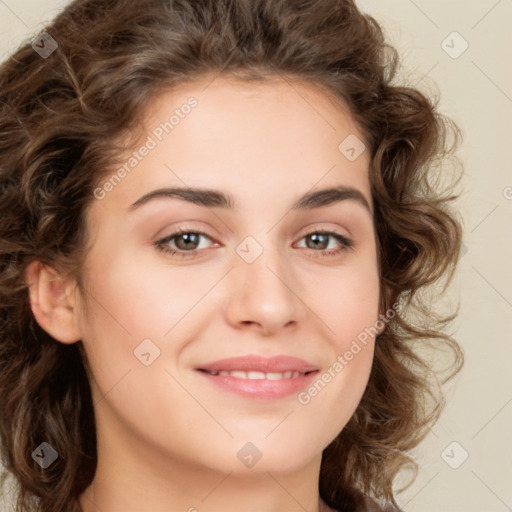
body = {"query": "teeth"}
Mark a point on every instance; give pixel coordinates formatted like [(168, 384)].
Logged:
[(251, 375), (255, 375), (274, 376), (238, 374)]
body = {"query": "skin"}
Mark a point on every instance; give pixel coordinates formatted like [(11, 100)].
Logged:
[(167, 438)]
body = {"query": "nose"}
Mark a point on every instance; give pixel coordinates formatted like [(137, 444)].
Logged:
[(264, 295)]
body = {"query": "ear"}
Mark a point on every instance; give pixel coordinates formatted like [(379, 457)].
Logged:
[(52, 300)]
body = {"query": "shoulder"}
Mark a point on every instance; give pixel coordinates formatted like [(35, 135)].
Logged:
[(373, 506), (364, 504)]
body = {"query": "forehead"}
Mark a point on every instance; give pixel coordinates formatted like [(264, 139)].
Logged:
[(278, 136), (305, 105)]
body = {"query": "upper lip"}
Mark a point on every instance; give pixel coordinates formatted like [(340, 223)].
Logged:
[(281, 363)]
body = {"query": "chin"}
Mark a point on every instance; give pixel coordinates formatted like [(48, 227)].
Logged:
[(251, 458)]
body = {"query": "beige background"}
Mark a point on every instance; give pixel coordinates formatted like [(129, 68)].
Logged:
[(476, 90)]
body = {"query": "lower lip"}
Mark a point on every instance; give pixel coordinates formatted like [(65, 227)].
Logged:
[(261, 388)]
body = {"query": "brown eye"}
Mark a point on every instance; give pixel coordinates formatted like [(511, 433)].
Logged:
[(182, 242), (187, 241), (319, 242)]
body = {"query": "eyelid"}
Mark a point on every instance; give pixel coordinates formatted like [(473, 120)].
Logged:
[(320, 227), (346, 242), (181, 231)]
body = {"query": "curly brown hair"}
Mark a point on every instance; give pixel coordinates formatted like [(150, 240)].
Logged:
[(61, 118)]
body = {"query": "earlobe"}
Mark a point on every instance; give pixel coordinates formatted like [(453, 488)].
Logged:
[(52, 302)]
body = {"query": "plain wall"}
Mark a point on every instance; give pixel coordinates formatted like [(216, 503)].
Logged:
[(476, 91)]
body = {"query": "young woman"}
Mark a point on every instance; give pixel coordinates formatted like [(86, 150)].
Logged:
[(218, 220)]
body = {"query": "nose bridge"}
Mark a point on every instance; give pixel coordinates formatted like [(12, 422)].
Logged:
[(263, 266), (263, 285)]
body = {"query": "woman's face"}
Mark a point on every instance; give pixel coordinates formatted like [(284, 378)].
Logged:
[(252, 277)]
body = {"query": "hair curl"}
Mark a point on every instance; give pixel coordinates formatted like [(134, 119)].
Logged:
[(60, 120)]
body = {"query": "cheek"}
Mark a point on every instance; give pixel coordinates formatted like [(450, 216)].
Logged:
[(335, 393), (144, 299), (347, 301), (130, 301), (348, 305)]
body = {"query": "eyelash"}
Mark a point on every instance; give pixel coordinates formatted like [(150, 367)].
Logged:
[(346, 244)]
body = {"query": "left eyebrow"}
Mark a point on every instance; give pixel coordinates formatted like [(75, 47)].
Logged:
[(327, 196), (217, 199)]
